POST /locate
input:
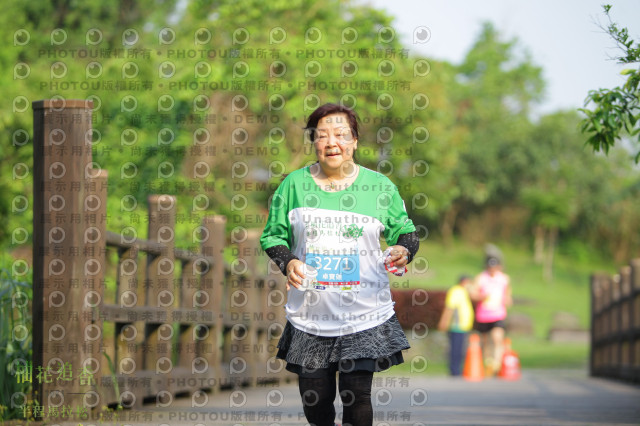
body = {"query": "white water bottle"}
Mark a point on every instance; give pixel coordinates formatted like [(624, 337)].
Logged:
[(310, 274)]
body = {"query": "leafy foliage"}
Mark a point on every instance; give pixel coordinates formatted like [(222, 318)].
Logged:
[(15, 341), (458, 139), (615, 112)]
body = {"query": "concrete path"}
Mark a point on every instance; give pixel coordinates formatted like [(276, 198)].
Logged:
[(557, 397)]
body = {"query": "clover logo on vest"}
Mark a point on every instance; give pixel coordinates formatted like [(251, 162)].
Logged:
[(352, 231)]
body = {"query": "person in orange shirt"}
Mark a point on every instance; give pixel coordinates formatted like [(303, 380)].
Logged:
[(457, 319)]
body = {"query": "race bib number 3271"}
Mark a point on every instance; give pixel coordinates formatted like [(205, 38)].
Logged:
[(335, 272)]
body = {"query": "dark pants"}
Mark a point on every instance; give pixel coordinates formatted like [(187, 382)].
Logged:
[(457, 344), (355, 391)]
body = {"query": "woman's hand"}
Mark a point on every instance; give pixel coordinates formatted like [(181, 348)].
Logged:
[(294, 273), (399, 257)]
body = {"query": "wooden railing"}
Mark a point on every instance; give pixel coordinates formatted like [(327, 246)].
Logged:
[(615, 324), (178, 321)]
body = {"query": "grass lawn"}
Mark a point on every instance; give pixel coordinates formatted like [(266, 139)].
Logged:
[(429, 355), (537, 353)]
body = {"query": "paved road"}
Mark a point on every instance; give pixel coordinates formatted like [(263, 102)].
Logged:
[(540, 397)]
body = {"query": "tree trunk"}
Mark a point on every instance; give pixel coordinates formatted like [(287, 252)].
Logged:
[(538, 245), (448, 223), (547, 269)]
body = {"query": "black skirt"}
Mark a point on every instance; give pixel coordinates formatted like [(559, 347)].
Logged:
[(375, 349)]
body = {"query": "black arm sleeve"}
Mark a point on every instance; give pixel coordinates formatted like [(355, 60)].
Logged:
[(411, 242), (281, 255)]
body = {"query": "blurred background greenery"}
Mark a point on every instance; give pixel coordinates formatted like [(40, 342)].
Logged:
[(206, 100)]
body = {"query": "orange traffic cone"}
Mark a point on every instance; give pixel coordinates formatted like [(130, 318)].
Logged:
[(510, 363), (473, 362)]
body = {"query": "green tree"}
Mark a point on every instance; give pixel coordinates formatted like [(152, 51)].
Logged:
[(279, 43), (497, 85), (550, 190), (612, 113), (576, 198)]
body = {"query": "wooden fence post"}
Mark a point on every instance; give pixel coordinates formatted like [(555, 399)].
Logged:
[(62, 154), (160, 292), (129, 337), (254, 318), (635, 319), (95, 246), (212, 286), (615, 323), (275, 299), (187, 294), (626, 337)]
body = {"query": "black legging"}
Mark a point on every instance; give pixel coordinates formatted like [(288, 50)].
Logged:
[(318, 395)]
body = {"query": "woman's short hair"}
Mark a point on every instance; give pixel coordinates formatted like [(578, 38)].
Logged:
[(328, 109)]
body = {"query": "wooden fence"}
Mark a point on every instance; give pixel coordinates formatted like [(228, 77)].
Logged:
[(615, 324), (178, 322)]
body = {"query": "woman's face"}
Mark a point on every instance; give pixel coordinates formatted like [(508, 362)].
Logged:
[(334, 141)]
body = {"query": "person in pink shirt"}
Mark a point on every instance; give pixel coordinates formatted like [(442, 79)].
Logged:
[(493, 290)]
